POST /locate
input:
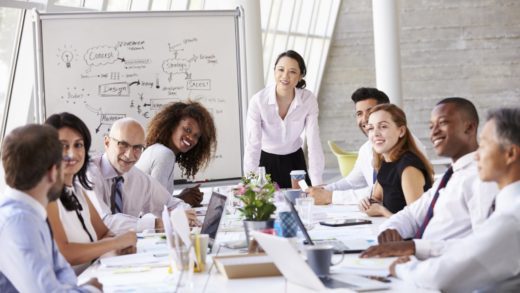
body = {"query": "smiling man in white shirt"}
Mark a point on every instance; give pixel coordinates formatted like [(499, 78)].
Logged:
[(460, 204), (489, 258), (362, 176)]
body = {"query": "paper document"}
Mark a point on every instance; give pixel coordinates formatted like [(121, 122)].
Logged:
[(246, 260), (367, 266), (132, 260)]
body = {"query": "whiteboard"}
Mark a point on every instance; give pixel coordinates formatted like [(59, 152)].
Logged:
[(104, 66)]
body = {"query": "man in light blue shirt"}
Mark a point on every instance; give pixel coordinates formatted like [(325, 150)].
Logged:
[(29, 258)]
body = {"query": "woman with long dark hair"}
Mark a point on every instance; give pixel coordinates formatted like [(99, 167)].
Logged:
[(78, 229)]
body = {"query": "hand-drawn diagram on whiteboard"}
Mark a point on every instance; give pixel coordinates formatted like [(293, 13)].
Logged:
[(103, 68)]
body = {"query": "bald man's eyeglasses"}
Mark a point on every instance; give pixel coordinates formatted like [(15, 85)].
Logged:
[(125, 146)]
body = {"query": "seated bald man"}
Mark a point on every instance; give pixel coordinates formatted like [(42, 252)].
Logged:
[(124, 196)]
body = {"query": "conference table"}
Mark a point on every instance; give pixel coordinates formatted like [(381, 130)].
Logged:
[(158, 278)]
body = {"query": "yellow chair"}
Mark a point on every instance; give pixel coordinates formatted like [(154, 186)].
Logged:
[(346, 160)]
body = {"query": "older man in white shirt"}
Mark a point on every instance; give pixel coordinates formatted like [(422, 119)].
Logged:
[(124, 196), (491, 254), (452, 208)]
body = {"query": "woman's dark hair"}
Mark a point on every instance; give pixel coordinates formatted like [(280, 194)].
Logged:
[(294, 55), (164, 123), (66, 119)]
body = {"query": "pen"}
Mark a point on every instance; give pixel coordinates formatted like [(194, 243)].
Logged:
[(374, 179), (379, 278)]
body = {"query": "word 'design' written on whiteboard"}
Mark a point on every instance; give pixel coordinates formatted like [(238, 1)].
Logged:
[(106, 66)]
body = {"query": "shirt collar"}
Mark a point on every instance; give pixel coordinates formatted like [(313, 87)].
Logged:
[(107, 170), (463, 161), (27, 199), (507, 197), (297, 96)]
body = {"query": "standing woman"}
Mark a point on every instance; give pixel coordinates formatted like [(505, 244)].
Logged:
[(276, 119), (403, 172), (182, 132), (78, 229)]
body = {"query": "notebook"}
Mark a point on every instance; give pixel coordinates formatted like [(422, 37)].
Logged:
[(294, 268), (352, 246), (214, 212)]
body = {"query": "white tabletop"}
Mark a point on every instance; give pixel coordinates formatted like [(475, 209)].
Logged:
[(157, 279)]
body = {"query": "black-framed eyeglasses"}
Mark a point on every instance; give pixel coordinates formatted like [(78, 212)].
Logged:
[(123, 145)]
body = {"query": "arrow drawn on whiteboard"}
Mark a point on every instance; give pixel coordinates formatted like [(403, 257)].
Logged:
[(104, 118), (92, 109), (134, 82), (122, 59)]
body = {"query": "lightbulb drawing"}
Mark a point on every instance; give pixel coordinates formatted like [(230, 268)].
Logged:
[(67, 58)]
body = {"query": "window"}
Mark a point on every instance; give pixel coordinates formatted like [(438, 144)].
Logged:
[(303, 26), (9, 33)]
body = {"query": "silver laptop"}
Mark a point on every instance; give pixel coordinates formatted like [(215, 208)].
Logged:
[(339, 246), (294, 268)]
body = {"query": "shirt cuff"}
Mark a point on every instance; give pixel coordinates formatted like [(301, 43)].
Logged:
[(422, 248), (90, 289), (342, 197), (351, 196), (146, 222)]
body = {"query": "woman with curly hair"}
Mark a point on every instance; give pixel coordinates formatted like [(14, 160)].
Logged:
[(182, 132)]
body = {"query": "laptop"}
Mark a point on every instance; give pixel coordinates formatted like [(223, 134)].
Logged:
[(339, 246), (214, 212), (294, 268)]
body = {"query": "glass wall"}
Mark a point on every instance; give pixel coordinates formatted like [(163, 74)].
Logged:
[(9, 33)]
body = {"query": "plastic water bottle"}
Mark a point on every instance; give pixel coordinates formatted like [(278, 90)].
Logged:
[(260, 177), (281, 206)]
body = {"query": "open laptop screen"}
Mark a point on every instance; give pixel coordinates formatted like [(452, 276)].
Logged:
[(216, 207), (299, 221)]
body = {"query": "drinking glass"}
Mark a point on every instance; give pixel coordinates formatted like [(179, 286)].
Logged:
[(304, 206)]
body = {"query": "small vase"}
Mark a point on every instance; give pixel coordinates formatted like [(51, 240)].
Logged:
[(257, 226)]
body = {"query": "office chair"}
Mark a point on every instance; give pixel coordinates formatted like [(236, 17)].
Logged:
[(346, 160)]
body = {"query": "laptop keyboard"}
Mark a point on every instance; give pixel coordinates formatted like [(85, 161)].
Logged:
[(333, 283), (337, 245)]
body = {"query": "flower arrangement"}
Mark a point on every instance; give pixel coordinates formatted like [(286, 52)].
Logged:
[(256, 193)]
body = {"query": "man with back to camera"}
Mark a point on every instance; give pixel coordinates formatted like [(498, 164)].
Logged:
[(30, 260), (489, 258), (363, 174), (124, 196), (456, 204)]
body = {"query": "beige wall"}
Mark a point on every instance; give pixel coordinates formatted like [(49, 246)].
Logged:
[(467, 48)]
